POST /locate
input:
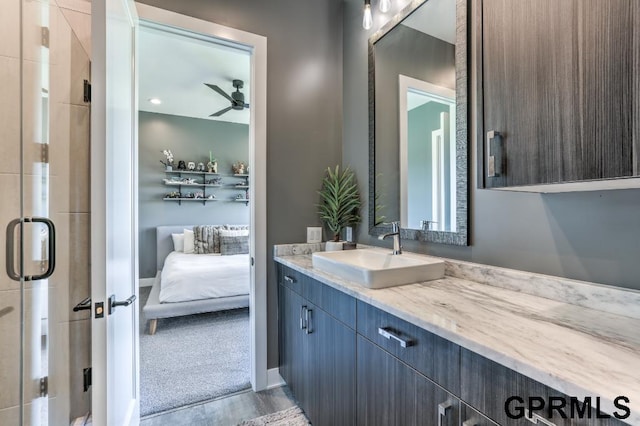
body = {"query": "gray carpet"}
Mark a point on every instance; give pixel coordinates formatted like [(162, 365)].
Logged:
[(192, 358), (290, 417)]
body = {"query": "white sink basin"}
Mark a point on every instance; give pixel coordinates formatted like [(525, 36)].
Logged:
[(378, 269)]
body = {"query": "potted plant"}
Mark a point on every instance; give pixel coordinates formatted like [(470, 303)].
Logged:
[(169, 164), (339, 203)]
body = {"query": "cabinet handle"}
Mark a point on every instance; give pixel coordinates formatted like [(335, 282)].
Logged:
[(303, 324), (443, 408), (494, 157), (289, 279), (387, 333), (470, 422), (307, 317), (537, 419)]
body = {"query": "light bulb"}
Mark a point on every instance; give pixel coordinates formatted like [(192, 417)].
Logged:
[(384, 6), (367, 20)]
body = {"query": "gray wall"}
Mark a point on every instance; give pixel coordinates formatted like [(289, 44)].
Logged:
[(588, 236), (304, 108), (188, 139)]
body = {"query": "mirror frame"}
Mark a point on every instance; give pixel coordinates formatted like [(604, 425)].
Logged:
[(460, 237)]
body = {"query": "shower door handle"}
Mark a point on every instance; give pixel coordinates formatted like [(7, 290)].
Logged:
[(11, 227)]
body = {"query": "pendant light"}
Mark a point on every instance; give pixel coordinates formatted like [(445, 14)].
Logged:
[(384, 5), (367, 20)]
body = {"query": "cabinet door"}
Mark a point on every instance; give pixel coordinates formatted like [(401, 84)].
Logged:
[(559, 84), (330, 351), (391, 393), (291, 343)]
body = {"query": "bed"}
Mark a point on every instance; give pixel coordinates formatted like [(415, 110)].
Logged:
[(188, 284)]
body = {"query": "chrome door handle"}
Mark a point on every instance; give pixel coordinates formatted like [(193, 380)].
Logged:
[(389, 334), (289, 279), (443, 407), (51, 263), (83, 306), (113, 303)]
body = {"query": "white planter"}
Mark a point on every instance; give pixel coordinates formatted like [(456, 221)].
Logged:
[(333, 245), (168, 168)]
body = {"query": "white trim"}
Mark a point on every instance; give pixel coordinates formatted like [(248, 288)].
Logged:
[(147, 282), (274, 379), (257, 164)]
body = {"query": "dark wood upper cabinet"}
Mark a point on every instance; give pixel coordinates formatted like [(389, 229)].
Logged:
[(559, 83)]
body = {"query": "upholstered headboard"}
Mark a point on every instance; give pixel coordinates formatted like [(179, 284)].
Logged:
[(164, 242)]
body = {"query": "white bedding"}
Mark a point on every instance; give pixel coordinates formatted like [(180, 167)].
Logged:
[(187, 277)]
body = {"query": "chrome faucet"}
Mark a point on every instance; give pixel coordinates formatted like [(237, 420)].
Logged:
[(395, 233)]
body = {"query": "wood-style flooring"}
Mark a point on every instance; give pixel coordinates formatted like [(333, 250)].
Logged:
[(226, 411)]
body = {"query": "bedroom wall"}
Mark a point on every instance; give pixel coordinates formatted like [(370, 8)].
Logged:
[(188, 139), (304, 109)]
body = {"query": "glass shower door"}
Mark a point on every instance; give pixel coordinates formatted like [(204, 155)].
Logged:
[(44, 179)]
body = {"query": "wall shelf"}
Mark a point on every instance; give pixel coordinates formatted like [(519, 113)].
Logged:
[(240, 186)]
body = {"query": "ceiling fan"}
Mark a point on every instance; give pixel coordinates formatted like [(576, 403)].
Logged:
[(236, 98)]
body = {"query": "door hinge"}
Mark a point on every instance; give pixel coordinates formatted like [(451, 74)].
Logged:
[(87, 91), (44, 153), (45, 36), (44, 386), (86, 378)]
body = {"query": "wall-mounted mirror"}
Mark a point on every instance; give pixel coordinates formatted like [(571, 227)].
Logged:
[(418, 122)]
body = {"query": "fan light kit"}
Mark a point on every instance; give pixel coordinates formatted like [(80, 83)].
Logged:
[(155, 101), (367, 18), (236, 98)]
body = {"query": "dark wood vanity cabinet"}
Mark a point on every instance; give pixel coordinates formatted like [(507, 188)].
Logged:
[(390, 393), (317, 353), (350, 363), (558, 82)]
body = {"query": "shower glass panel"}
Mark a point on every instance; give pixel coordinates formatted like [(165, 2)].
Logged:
[(44, 182)]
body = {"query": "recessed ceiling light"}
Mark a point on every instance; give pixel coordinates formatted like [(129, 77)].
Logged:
[(155, 101)]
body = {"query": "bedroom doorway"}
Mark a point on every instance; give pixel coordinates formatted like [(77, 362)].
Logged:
[(202, 212)]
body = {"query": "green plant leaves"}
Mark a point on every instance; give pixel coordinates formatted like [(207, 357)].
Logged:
[(339, 200)]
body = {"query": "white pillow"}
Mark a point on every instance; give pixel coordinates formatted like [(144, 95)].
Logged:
[(234, 232), (189, 242), (178, 242)]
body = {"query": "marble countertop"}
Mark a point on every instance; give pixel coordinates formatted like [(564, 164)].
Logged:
[(574, 349)]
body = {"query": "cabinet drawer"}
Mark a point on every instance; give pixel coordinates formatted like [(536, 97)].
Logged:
[(291, 278), (336, 303), (487, 385), (431, 355)]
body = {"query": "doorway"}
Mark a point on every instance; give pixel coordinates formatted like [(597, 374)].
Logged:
[(229, 181)]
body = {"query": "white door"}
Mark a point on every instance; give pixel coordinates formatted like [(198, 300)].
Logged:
[(115, 398)]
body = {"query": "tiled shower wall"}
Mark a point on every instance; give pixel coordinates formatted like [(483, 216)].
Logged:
[(56, 182)]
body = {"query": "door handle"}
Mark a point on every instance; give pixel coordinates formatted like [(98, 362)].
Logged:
[(51, 264), (443, 408), (307, 317), (303, 325), (83, 306), (113, 303)]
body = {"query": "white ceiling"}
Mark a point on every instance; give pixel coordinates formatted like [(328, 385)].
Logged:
[(436, 18), (175, 67)]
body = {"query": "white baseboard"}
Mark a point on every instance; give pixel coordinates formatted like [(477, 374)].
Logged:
[(146, 282), (274, 380)]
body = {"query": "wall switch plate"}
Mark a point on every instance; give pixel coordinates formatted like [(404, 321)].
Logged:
[(314, 234)]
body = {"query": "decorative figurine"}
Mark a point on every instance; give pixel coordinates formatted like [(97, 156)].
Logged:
[(182, 165), (238, 168), (212, 165), (201, 167), (191, 166)]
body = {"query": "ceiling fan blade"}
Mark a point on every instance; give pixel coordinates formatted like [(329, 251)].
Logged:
[(246, 105), (219, 113), (219, 90)]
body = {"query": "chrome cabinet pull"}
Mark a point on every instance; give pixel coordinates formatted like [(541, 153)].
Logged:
[(443, 408), (303, 325), (307, 315), (494, 154), (389, 334), (51, 263), (289, 279), (537, 419)]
